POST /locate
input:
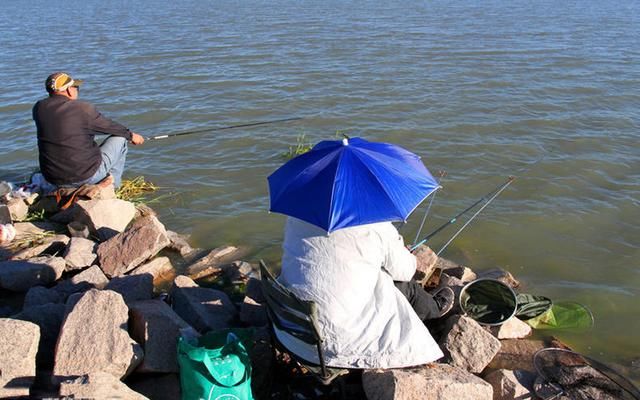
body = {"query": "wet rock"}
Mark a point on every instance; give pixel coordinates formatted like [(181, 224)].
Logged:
[(105, 218), (501, 275), (467, 345), (179, 243), (40, 295), (517, 354), (513, 328), (132, 287), (20, 275), (48, 317), (29, 229), (211, 263), (80, 253), (157, 267), (156, 327), (18, 209), (157, 386), (90, 278), (45, 245), (464, 274), (18, 349), (98, 385), (204, 309), (94, 337), (129, 249), (433, 381), (511, 385)]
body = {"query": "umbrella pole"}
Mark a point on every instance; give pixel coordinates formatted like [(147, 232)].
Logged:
[(441, 176)]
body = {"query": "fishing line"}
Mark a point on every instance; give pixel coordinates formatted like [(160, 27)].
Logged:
[(442, 174), (158, 137)]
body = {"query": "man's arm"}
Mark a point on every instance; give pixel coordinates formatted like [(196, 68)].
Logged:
[(100, 123), (399, 262)]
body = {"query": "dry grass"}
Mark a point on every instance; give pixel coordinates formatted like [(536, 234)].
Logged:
[(135, 190)]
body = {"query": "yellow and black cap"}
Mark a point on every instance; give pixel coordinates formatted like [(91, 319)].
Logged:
[(60, 81)]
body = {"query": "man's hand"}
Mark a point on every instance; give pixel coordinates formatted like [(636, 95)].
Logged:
[(136, 139)]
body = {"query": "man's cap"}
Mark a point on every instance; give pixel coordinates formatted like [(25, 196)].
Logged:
[(60, 81)]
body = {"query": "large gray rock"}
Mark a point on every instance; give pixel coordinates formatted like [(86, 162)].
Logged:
[(94, 337), (90, 278), (500, 274), (132, 287), (426, 261), (44, 245), (517, 354), (179, 243), (433, 381), (513, 328), (156, 326), (105, 218), (511, 385), (18, 348), (211, 263), (20, 275), (129, 249), (80, 253), (40, 295), (18, 209), (157, 386), (98, 385), (49, 318), (204, 309), (157, 268), (467, 345)]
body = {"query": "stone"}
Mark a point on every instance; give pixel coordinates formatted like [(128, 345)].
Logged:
[(426, 261), (212, 260), (156, 386), (501, 275), (464, 274), (105, 218), (5, 214), (28, 229), (48, 317), (432, 381), (253, 289), (253, 313), (44, 245), (179, 243), (517, 354), (511, 385), (80, 253), (94, 337), (445, 264), (129, 249), (98, 385), (154, 325), (40, 295), (204, 309), (132, 287), (18, 209), (18, 349), (157, 268), (513, 328), (90, 278), (20, 275), (467, 345)]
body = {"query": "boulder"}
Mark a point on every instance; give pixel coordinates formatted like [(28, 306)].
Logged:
[(212, 261), (20, 275), (132, 287), (511, 385), (80, 253), (432, 381), (98, 385), (18, 349), (467, 345), (105, 218), (156, 386), (517, 354), (204, 309), (157, 267), (253, 313), (48, 317), (253, 289), (464, 274), (179, 243), (426, 261), (18, 209), (501, 275), (154, 325), (129, 249), (513, 328), (94, 337), (40, 295), (5, 214), (90, 278), (30, 229), (44, 245)]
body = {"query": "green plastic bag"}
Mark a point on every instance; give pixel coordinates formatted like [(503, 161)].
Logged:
[(217, 367)]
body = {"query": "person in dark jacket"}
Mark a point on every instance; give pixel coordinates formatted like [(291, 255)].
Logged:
[(68, 154)]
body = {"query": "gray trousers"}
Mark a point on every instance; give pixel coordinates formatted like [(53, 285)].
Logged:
[(421, 301)]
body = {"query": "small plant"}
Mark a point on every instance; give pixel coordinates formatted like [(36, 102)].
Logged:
[(35, 216), (301, 147), (135, 190)]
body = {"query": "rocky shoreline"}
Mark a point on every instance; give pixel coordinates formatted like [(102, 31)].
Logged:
[(83, 315)]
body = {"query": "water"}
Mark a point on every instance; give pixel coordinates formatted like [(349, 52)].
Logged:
[(479, 89)]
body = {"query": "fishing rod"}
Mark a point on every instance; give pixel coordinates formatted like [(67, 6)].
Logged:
[(486, 198), (221, 129)]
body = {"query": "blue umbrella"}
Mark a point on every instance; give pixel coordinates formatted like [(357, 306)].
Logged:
[(351, 182)]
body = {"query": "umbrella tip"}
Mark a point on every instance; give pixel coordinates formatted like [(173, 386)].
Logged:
[(345, 142)]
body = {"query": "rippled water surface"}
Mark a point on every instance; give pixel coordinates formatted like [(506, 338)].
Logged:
[(480, 89)]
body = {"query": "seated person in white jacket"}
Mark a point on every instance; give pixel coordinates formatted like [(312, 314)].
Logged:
[(365, 319)]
